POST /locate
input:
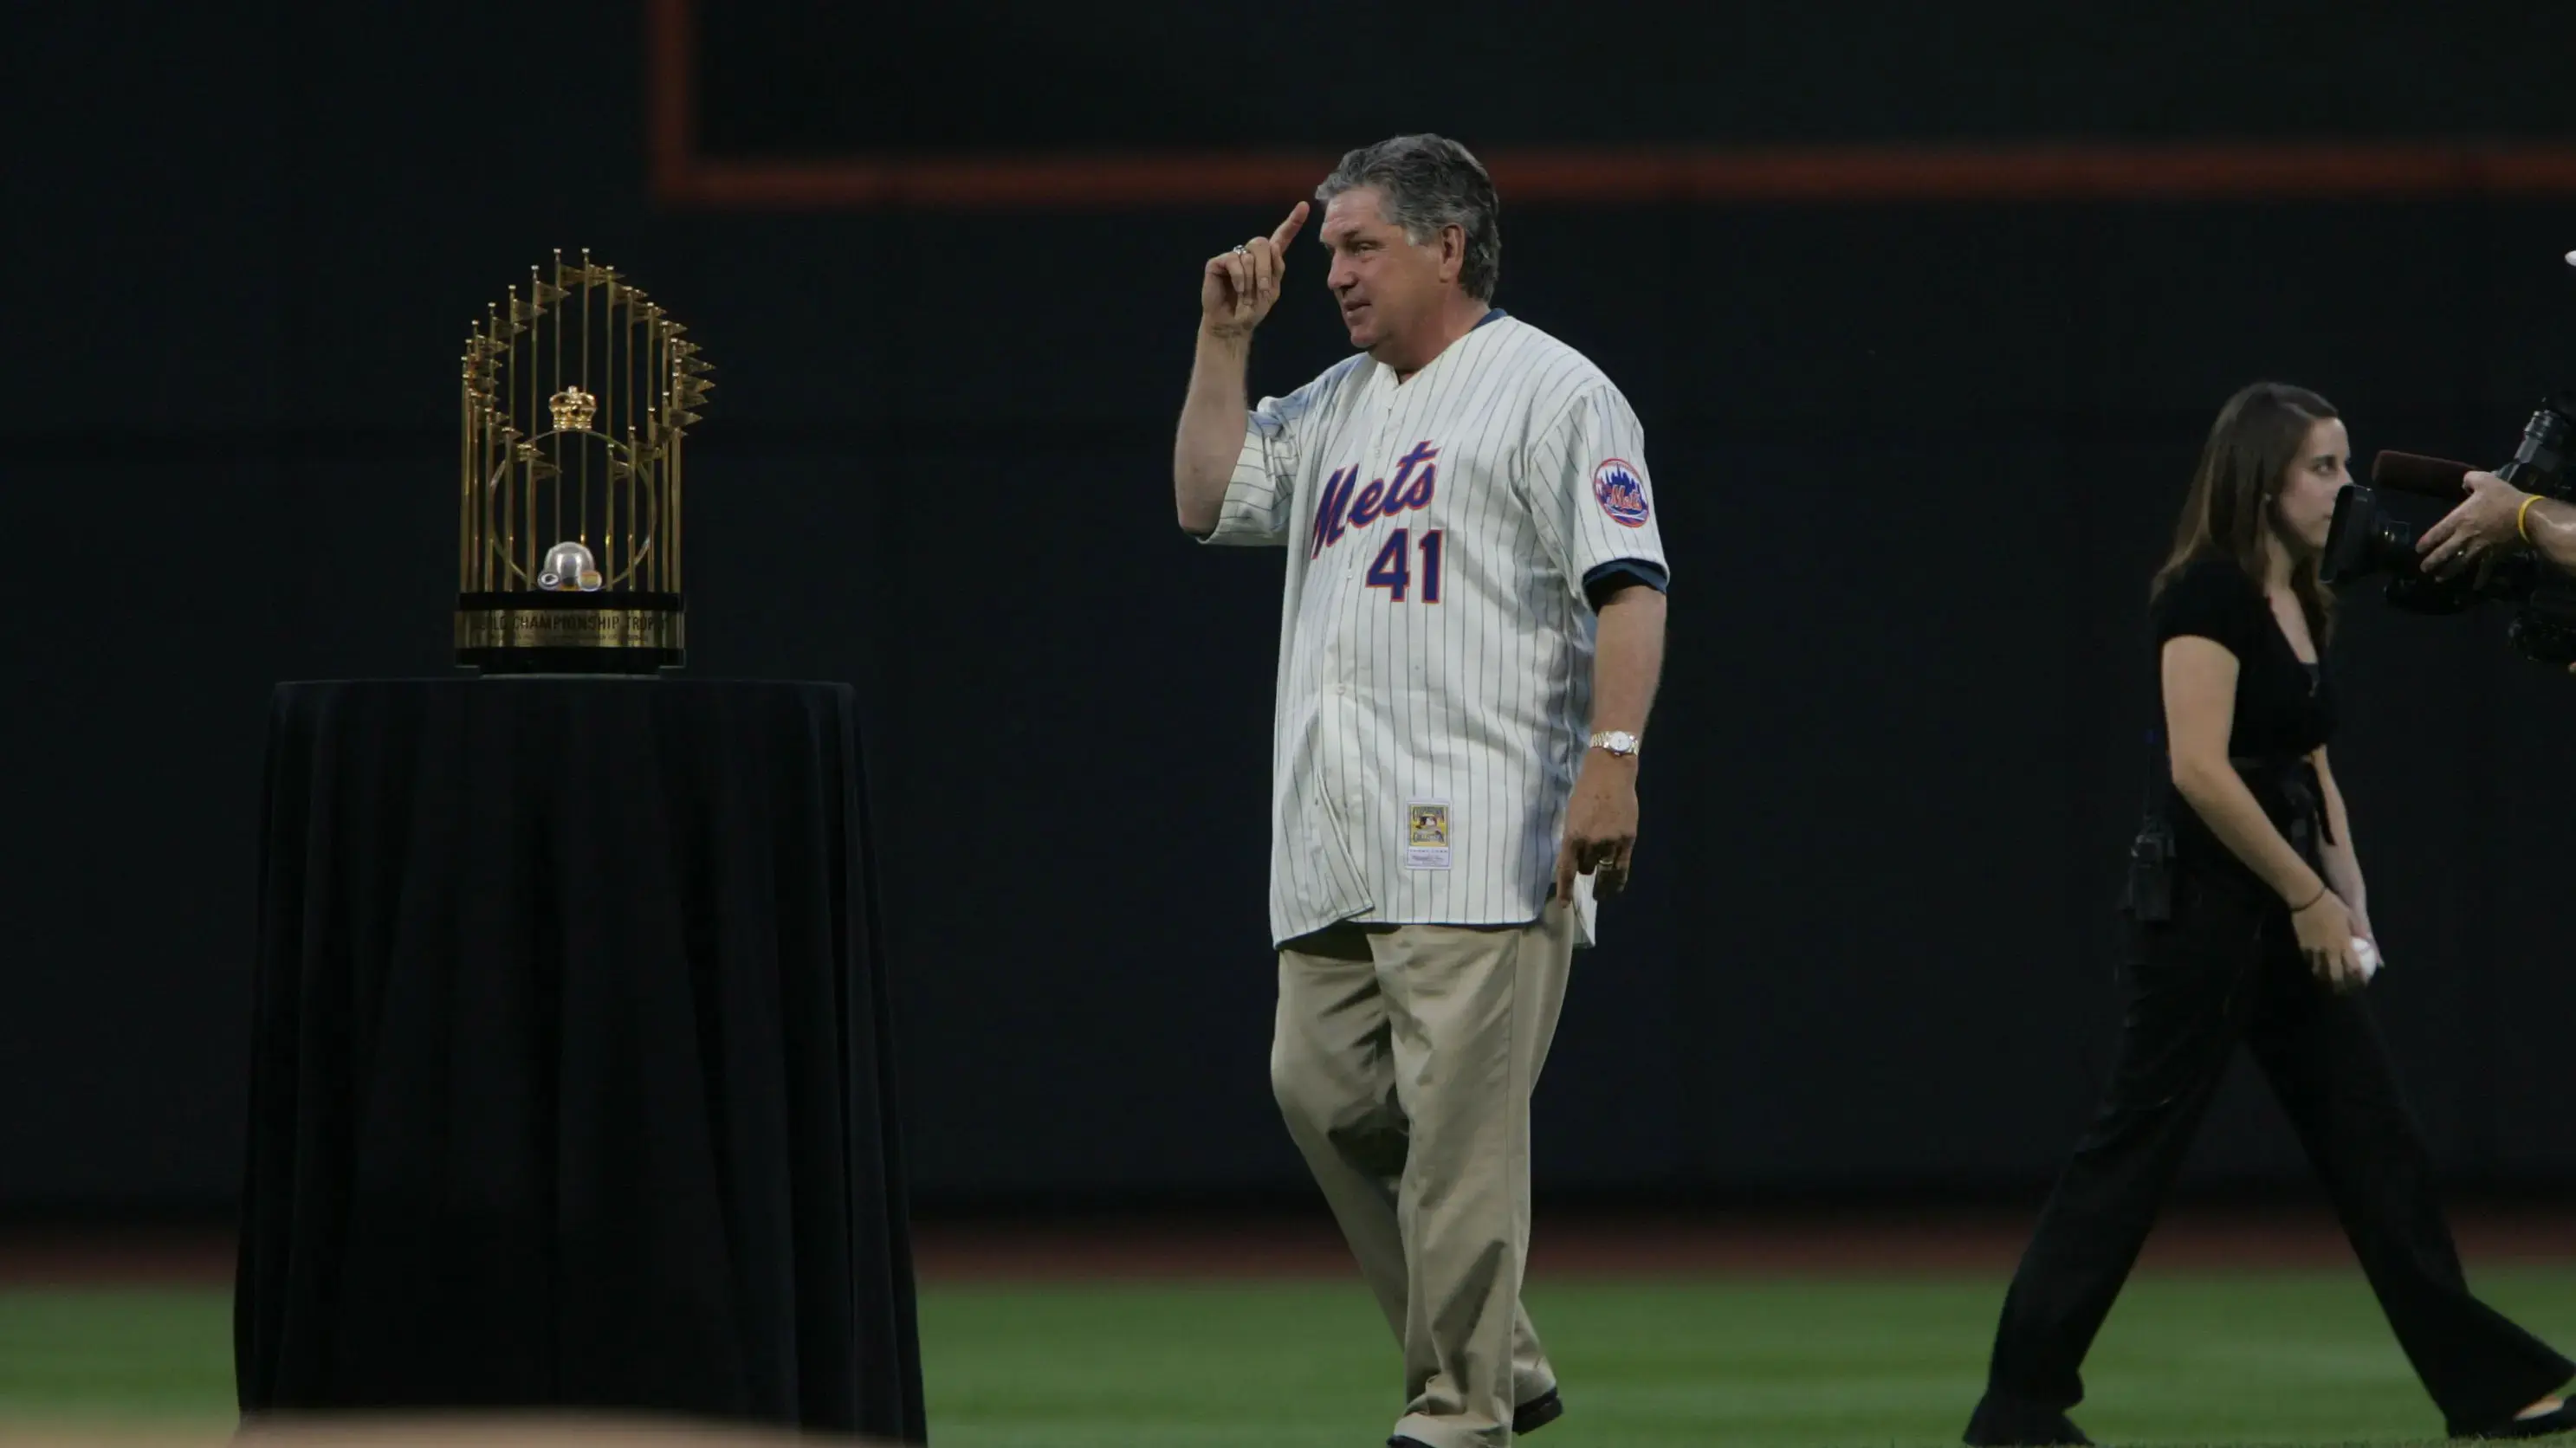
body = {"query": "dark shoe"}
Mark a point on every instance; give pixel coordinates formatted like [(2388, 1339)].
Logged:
[(1529, 1417), (2001, 1424), (2065, 1435), (1537, 1413), (2561, 1419)]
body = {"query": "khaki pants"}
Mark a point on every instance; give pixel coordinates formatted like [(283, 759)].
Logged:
[(1404, 1061)]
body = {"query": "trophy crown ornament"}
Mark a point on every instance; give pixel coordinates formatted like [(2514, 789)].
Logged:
[(573, 409)]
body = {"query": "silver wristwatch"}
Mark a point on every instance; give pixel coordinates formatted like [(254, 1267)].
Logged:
[(1616, 741)]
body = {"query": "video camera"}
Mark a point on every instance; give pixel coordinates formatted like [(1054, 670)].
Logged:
[(2365, 539)]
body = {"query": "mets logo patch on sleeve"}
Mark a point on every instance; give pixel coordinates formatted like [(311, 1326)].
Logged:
[(1621, 491)]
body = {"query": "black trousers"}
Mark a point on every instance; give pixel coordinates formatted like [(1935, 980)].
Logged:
[(2226, 969)]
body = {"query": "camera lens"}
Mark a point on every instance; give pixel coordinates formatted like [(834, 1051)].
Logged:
[(2544, 445), (2363, 540)]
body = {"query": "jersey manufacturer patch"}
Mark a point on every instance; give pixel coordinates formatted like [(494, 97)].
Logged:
[(1620, 492), (1426, 834)]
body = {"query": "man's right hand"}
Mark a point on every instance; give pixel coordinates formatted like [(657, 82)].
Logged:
[(1239, 287)]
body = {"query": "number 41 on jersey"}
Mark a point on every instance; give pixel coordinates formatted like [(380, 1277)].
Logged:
[(1393, 568)]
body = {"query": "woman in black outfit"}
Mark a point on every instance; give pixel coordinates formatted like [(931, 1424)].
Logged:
[(2251, 936)]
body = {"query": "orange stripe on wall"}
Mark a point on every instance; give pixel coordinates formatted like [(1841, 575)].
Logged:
[(670, 94), (683, 178)]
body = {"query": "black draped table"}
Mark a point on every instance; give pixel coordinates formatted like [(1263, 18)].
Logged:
[(572, 1078)]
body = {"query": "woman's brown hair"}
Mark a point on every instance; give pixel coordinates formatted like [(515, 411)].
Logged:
[(2260, 435)]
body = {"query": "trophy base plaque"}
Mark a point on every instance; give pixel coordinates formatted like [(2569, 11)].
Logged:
[(570, 633)]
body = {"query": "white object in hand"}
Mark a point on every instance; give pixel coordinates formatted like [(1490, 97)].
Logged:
[(2367, 955)]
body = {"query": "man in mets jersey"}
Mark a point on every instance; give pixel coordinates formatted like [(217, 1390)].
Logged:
[(1471, 637)]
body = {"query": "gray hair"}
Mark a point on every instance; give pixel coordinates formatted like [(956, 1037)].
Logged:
[(1425, 183)]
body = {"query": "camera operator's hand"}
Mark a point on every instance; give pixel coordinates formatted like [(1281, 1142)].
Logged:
[(2325, 937), (2488, 522)]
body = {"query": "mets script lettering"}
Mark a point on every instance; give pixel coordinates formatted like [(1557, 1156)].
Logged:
[(1345, 505)]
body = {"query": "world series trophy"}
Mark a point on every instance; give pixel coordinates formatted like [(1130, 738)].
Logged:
[(577, 397)]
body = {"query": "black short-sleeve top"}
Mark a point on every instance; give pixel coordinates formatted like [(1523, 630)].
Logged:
[(2284, 707)]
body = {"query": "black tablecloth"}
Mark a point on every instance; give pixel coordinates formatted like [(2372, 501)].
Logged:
[(572, 1079)]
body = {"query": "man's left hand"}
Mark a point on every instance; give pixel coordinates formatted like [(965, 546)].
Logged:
[(1600, 827), (2488, 521)]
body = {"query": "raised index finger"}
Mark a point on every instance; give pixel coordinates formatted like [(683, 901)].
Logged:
[(1288, 229)]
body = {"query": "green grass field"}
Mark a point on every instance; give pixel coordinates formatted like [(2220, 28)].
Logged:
[(2239, 1359)]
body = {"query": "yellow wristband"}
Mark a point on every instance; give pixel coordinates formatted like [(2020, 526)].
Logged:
[(2522, 516)]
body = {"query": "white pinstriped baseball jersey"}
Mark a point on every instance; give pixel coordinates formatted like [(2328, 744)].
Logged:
[(1435, 644)]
